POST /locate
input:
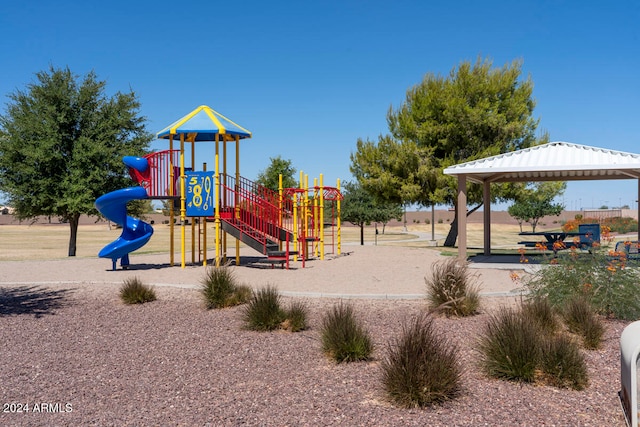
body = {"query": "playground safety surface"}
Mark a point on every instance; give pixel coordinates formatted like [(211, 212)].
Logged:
[(376, 272)]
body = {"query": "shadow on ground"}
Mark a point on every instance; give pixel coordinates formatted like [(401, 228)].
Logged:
[(508, 259), (244, 261), (35, 300)]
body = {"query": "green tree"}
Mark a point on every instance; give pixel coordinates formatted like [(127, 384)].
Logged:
[(278, 166), (474, 112), (535, 201), (140, 208), (521, 213), (360, 208), (62, 143)]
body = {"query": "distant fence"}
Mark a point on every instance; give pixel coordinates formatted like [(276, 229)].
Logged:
[(601, 213)]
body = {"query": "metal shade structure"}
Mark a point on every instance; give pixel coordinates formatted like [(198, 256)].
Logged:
[(555, 161)]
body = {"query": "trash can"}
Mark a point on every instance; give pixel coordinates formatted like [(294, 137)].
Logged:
[(591, 234)]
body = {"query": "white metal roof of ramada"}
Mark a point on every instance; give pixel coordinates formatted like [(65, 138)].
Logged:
[(554, 161)]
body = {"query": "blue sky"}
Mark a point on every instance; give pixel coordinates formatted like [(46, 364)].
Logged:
[(310, 78)]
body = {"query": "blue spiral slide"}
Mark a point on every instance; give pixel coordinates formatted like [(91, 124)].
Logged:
[(113, 206)]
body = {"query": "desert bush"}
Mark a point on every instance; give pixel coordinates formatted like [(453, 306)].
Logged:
[(562, 364), (449, 288), (133, 291), (219, 288), (421, 367), (619, 225), (242, 295), (540, 310), (509, 345), (580, 319), (606, 282), (295, 317), (264, 310), (344, 339)]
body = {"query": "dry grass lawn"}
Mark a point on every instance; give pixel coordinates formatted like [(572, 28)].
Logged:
[(51, 241)]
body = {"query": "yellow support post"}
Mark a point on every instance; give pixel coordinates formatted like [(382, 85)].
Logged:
[(193, 224), (224, 172), (203, 223), (295, 226), (305, 212), (298, 219), (171, 210), (321, 215), (216, 195), (236, 199), (338, 218), (315, 215), (280, 191), (183, 209)]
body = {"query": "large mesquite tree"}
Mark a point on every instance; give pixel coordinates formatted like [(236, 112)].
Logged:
[(62, 143), (474, 112)]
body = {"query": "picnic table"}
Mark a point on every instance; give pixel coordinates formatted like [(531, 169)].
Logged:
[(630, 249), (553, 240)]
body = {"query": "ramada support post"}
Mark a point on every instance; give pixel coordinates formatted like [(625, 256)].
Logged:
[(486, 201), (462, 217)]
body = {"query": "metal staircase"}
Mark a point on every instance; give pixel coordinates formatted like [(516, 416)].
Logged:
[(257, 217)]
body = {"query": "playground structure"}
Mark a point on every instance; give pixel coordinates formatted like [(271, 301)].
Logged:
[(289, 223)]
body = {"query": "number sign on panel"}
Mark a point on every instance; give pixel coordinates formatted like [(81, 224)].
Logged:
[(200, 193)]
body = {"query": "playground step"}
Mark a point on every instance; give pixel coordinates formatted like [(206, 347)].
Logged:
[(279, 257), (280, 254), (250, 237)]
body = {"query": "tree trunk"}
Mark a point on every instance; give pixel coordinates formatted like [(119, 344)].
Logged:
[(450, 241), (452, 236), (361, 234), (74, 219)]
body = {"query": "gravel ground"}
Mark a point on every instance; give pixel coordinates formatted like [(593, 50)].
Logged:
[(77, 356)]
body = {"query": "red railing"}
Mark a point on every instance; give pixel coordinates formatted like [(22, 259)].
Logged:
[(157, 179), (256, 206)]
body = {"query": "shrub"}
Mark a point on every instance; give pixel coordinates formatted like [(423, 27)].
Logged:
[(509, 346), (620, 225), (295, 317), (421, 368), (263, 311), (449, 288), (562, 364), (133, 291), (344, 339), (580, 319), (540, 310), (219, 289), (242, 295), (607, 284)]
